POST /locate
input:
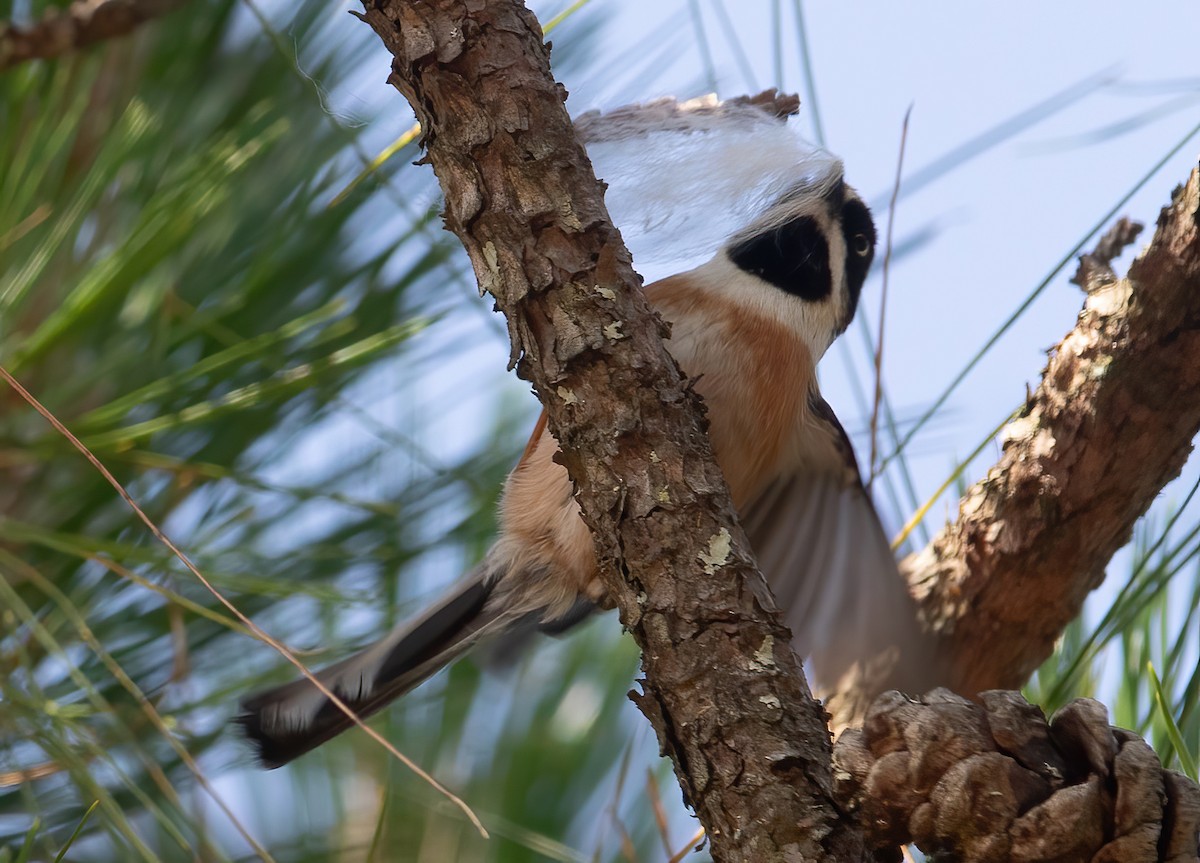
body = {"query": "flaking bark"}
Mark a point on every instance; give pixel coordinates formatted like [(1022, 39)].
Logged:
[(1111, 423), (722, 686)]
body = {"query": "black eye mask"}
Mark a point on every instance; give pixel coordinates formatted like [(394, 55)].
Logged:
[(793, 257), (857, 225)]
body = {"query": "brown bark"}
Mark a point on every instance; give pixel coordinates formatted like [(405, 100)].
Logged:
[(722, 686), (995, 783), (1110, 424), (79, 25), (1095, 268)]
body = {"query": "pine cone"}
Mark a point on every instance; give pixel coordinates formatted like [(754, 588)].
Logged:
[(993, 781)]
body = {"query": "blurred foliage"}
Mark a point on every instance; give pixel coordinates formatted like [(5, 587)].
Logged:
[(264, 372), (1140, 657), (247, 360)]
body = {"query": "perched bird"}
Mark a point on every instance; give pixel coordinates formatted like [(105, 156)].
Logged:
[(749, 326)]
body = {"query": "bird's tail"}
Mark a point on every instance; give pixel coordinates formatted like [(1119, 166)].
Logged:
[(288, 721)]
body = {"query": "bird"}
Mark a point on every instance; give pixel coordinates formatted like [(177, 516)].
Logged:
[(748, 327)]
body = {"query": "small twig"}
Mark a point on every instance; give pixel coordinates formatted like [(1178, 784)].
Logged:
[(628, 850), (1095, 267), (614, 809), (660, 814), (180, 663), (887, 260), (9, 778), (692, 844)]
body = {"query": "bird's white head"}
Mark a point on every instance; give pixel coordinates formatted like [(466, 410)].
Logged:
[(685, 178), (815, 243)]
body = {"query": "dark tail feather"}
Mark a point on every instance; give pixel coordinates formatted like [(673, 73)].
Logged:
[(288, 721)]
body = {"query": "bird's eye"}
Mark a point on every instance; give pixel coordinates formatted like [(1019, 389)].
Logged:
[(861, 244)]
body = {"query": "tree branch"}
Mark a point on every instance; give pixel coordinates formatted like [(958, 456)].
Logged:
[(83, 23), (1110, 424), (723, 688)]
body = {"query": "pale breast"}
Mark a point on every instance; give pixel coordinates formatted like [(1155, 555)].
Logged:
[(754, 374)]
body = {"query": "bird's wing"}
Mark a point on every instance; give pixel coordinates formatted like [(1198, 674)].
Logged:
[(289, 720), (822, 548)]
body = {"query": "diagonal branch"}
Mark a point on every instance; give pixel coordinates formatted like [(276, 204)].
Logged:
[(1110, 424), (83, 23), (723, 688)]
